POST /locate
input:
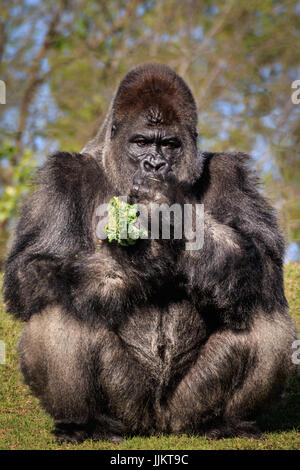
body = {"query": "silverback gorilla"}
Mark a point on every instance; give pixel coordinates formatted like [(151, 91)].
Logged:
[(152, 337)]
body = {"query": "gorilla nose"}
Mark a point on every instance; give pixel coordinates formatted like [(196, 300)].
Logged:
[(154, 165)]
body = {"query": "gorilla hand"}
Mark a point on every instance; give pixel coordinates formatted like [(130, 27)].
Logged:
[(101, 284)]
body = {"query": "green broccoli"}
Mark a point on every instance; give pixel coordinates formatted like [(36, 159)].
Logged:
[(120, 227)]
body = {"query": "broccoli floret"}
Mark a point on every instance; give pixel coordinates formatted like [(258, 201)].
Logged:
[(120, 227)]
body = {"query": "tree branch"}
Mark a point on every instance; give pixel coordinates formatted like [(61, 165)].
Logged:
[(34, 80)]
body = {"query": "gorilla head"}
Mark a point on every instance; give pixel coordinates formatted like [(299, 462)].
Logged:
[(150, 131)]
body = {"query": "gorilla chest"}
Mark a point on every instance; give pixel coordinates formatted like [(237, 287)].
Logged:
[(165, 341)]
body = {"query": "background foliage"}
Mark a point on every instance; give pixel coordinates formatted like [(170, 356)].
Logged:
[(62, 60)]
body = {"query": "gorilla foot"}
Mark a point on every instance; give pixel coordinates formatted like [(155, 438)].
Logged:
[(71, 432), (76, 433), (229, 429)]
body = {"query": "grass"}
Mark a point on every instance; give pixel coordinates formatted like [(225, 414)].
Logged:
[(24, 425)]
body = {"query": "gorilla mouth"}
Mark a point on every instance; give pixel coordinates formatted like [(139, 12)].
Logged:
[(148, 188)]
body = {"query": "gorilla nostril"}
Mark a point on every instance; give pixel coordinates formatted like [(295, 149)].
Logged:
[(159, 166), (148, 166)]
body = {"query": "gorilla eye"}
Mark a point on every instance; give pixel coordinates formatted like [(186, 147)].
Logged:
[(171, 144), (141, 143)]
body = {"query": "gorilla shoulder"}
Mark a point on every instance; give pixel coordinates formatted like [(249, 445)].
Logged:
[(229, 178), (228, 170), (70, 172)]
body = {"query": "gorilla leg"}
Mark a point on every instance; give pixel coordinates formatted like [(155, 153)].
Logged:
[(83, 376), (236, 374)]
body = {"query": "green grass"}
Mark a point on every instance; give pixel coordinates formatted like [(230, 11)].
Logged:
[(24, 425)]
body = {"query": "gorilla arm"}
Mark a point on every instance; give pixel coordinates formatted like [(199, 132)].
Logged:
[(53, 259), (239, 267)]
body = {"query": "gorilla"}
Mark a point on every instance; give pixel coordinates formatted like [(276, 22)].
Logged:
[(150, 338)]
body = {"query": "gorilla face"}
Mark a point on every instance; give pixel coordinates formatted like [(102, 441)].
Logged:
[(152, 153)]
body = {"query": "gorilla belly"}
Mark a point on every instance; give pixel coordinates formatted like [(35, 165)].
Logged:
[(166, 342)]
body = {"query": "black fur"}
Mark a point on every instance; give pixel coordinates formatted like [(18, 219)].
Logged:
[(150, 338)]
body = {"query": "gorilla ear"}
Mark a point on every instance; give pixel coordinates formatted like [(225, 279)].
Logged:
[(113, 130)]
